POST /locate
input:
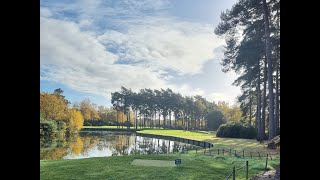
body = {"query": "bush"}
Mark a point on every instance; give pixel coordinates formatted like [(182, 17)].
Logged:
[(48, 128), (236, 130), (61, 127), (215, 119), (102, 123)]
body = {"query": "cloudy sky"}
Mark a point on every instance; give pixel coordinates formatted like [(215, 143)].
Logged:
[(91, 48)]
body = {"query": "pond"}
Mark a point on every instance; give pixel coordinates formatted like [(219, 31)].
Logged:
[(107, 143)]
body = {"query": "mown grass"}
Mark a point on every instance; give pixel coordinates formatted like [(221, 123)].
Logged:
[(194, 166)]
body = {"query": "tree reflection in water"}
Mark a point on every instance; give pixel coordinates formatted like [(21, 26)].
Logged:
[(99, 144)]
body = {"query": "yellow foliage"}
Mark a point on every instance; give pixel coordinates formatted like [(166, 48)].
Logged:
[(232, 113), (53, 106), (88, 111), (53, 154), (76, 119), (77, 146)]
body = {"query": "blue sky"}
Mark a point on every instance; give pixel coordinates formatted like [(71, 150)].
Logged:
[(91, 48)]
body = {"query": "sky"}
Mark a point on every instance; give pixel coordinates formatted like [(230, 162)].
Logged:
[(90, 48)]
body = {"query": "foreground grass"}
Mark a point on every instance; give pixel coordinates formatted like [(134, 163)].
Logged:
[(194, 166), (234, 143)]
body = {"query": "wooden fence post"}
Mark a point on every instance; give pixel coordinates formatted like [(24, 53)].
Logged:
[(234, 173), (247, 170), (266, 161)]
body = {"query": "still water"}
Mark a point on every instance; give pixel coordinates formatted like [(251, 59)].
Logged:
[(106, 143)]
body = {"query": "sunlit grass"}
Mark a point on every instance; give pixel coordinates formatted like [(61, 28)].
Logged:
[(194, 166)]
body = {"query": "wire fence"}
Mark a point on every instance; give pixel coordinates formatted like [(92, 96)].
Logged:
[(233, 173), (210, 151), (239, 154)]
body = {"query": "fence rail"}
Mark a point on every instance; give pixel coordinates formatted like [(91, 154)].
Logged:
[(231, 152), (233, 173)]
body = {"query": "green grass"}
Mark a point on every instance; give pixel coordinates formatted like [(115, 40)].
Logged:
[(194, 166), (234, 143)]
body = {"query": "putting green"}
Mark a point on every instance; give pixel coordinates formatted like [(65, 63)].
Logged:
[(157, 163)]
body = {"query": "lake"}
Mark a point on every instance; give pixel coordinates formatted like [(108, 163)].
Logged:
[(107, 143)]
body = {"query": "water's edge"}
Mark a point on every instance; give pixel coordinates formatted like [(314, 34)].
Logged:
[(171, 138)]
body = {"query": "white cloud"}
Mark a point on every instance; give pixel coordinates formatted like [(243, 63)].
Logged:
[(45, 12), (146, 52), (63, 43), (221, 96), (165, 44)]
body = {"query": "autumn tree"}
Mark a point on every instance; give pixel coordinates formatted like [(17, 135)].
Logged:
[(75, 120), (88, 110), (52, 106)]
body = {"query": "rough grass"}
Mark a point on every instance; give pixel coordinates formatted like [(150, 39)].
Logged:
[(194, 166)]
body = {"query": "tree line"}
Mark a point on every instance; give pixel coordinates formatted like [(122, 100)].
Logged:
[(169, 110), (144, 109), (255, 55)]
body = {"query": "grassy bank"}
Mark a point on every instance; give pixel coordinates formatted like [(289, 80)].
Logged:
[(194, 166)]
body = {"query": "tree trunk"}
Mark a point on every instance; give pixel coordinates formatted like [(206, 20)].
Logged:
[(258, 119), (272, 126), (277, 108), (277, 83), (170, 119), (264, 103), (159, 119), (164, 122), (155, 119), (128, 120), (183, 122), (136, 118), (250, 113), (122, 120), (140, 124), (118, 126)]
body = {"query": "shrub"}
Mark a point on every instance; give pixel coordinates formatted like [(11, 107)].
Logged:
[(61, 128), (236, 130), (215, 119), (48, 128)]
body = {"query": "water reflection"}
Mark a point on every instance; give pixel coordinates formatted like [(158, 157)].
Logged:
[(99, 144)]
